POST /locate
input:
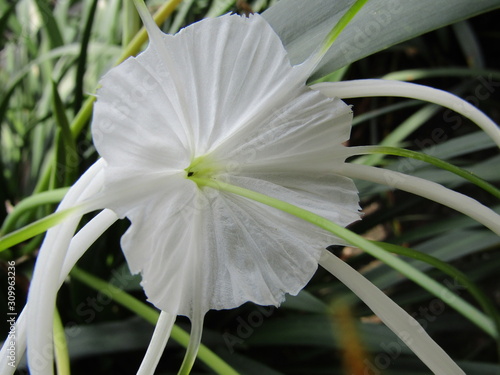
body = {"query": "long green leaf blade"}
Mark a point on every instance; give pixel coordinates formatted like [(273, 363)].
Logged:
[(378, 25)]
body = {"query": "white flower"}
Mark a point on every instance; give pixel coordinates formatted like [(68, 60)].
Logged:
[(220, 99)]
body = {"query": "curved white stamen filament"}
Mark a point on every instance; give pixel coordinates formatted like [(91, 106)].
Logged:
[(194, 345), (157, 344), (393, 316), (427, 189), (79, 244), (85, 238), (44, 286), (380, 87), (196, 321), (18, 341)]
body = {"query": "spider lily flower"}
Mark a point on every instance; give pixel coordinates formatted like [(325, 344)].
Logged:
[(219, 101)]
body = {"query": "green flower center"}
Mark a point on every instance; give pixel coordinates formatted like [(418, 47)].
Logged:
[(201, 167)]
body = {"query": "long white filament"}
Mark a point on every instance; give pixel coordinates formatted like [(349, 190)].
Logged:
[(157, 344), (79, 244), (17, 343), (380, 87), (427, 189), (44, 286), (393, 316), (198, 315), (85, 238), (194, 345)]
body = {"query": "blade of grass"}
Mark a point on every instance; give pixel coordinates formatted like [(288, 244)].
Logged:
[(431, 160), (416, 74), (60, 347), (130, 21), (64, 171), (483, 300), (219, 7), (30, 203), (469, 44), (82, 59), (53, 32), (35, 228), (346, 18)]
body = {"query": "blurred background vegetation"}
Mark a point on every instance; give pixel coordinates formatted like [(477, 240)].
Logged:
[(52, 54)]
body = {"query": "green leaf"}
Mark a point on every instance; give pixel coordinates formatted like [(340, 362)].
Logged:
[(82, 60), (436, 162), (66, 155), (457, 275), (60, 347), (305, 301), (303, 25), (4, 18), (28, 205), (219, 7), (469, 44), (447, 247), (50, 22), (34, 229), (416, 74)]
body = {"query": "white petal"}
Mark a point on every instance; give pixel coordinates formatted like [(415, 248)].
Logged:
[(221, 250), (331, 196), (165, 243), (260, 253), (305, 133), (136, 124), (127, 189), (227, 73), (228, 89), (194, 345)]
